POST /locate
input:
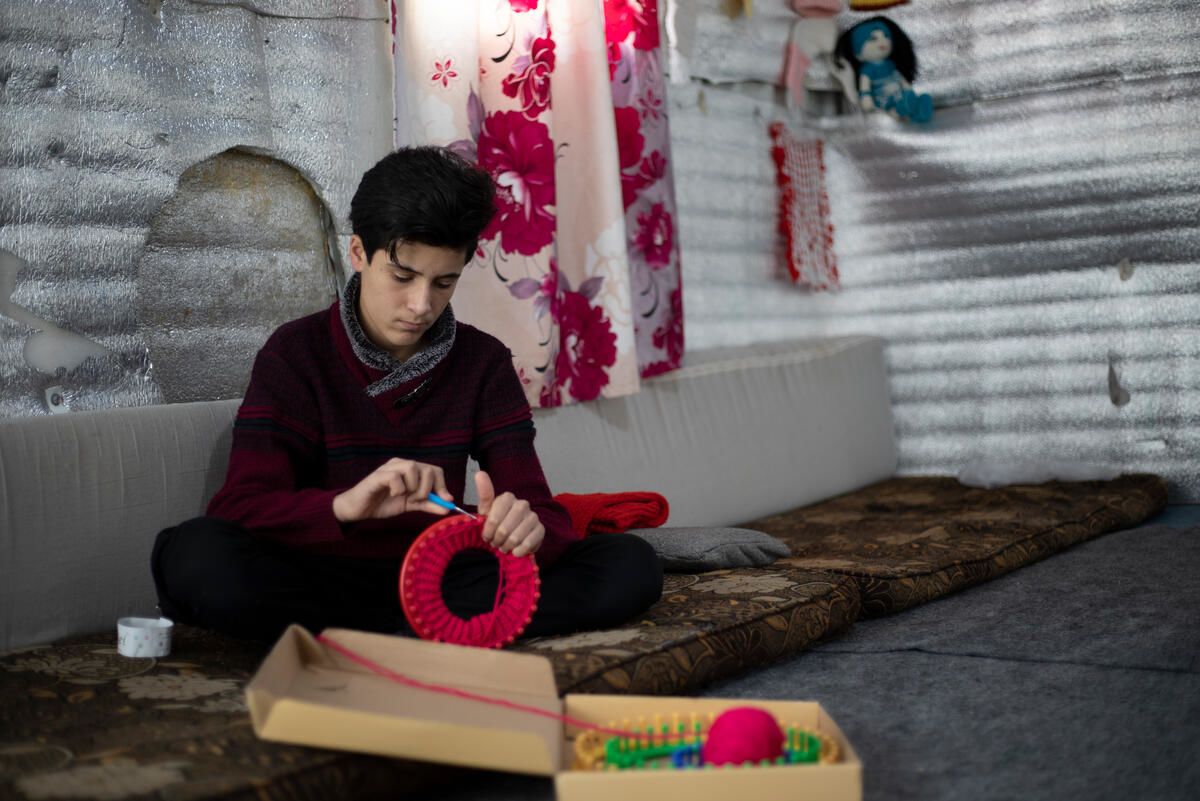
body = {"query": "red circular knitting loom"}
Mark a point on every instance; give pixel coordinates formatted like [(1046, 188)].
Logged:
[(421, 587)]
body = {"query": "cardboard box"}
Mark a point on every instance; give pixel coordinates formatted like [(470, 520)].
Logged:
[(306, 694)]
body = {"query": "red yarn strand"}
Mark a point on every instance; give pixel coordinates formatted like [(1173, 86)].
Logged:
[(466, 695)]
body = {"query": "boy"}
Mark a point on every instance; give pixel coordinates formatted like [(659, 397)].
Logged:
[(355, 414)]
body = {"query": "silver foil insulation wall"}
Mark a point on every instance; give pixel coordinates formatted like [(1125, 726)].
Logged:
[(1032, 256), (174, 177)]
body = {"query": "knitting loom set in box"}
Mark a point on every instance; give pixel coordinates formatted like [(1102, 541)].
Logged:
[(342, 693)]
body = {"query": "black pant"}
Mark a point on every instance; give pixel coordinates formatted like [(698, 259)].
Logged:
[(212, 573)]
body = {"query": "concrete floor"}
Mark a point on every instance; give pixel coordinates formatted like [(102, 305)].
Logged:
[(1075, 677)]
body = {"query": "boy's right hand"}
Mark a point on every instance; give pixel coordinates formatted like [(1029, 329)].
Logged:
[(397, 486)]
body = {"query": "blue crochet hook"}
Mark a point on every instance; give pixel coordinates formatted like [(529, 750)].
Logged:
[(438, 500)]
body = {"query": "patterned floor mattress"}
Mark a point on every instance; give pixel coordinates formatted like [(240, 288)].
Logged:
[(79, 721)]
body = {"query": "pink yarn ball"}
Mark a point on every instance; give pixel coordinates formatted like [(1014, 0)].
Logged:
[(743, 734)]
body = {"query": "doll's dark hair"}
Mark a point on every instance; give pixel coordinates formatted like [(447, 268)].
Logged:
[(429, 195), (902, 50)]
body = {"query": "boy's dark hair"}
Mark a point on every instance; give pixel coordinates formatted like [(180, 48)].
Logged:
[(902, 55), (426, 194)]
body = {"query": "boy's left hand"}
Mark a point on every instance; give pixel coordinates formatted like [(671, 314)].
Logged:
[(512, 526)]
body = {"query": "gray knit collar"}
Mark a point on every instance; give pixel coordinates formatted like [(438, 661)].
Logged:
[(439, 339)]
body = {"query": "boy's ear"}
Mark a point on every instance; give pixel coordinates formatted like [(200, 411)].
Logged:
[(358, 254)]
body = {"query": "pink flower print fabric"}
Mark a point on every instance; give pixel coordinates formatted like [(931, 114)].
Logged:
[(566, 109), (529, 82), (647, 186), (519, 154)]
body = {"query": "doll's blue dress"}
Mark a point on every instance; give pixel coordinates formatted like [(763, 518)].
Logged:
[(890, 94)]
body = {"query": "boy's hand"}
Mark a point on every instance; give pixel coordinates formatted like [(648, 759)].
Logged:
[(512, 527), (397, 486)]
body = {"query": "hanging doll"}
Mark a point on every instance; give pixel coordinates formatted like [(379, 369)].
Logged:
[(884, 67)]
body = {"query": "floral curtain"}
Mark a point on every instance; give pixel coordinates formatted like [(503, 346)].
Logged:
[(562, 102), (647, 189)]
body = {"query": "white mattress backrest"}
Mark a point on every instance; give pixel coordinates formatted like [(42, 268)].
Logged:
[(82, 497), (738, 434)]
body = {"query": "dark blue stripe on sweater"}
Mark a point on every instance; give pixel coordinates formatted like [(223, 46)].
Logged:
[(268, 425), (518, 427)]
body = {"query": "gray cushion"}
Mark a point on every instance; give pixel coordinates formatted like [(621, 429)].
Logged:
[(689, 550)]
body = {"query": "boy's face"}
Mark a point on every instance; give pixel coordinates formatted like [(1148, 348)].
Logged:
[(399, 300)]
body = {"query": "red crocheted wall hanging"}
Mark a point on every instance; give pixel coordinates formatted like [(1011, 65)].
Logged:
[(804, 209)]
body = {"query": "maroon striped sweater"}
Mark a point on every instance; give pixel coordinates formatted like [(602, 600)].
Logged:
[(307, 430)]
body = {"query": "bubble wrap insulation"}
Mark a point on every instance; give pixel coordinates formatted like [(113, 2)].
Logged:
[(122, 239), (1032, 256)]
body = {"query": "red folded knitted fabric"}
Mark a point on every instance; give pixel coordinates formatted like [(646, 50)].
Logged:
[(614, 512)]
